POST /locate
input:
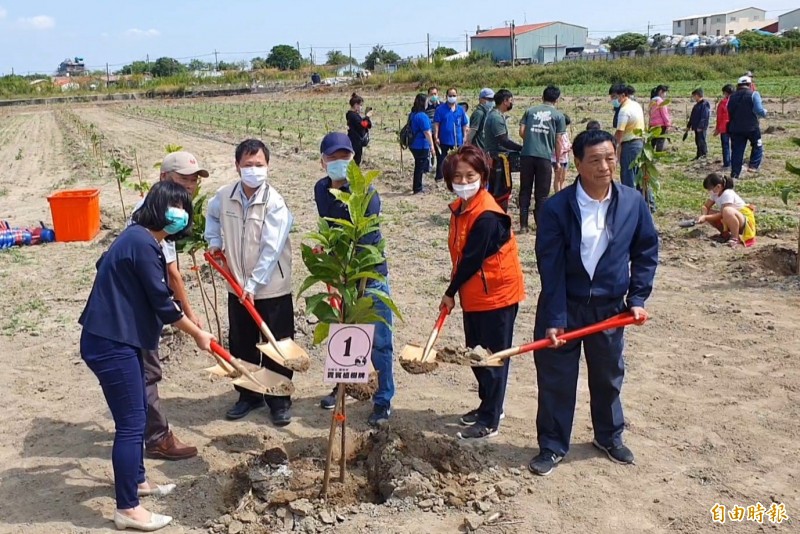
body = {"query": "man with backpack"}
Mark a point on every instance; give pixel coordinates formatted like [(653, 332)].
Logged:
[(477, 120)]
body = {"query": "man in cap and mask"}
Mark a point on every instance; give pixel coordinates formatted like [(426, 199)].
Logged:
[(478, 118), (249, 222), (183, 169)]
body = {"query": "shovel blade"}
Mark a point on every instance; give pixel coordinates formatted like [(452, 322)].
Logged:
[(415, 353), (296, 358), (270, 382)]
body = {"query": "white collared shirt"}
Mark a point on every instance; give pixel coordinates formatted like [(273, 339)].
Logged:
[(594, 235)]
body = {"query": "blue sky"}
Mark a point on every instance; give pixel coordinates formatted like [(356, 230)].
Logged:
[(35, 36)]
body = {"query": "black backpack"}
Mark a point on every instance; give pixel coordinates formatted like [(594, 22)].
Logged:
[(406, 136)]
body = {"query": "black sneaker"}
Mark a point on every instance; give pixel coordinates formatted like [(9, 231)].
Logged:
[(242, 408), (281, 416), (379, 416), (329, 402), (619, 454), (543, 463), (470, 418), (477, 431)]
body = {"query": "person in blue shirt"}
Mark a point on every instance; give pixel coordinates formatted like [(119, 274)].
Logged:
[(597, 252), (129, 303), (422, 146), (337, 153), (450, 126)]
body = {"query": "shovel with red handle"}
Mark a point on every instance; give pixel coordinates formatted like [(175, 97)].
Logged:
[(496, 359), (250, 376), (284, 352), (416, 353)]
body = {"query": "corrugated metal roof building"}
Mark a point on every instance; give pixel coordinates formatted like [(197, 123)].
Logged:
[(541, 43)]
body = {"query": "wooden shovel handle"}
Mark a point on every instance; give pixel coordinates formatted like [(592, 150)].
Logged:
[(215, 261), (435, 333), (623, 319)]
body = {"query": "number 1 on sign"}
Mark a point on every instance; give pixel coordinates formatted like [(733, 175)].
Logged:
[(347, 345)]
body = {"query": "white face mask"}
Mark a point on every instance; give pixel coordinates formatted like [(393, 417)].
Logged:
[(467, 191), (253, 176), (452, 99)]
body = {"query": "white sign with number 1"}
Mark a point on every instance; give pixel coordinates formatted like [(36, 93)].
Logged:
[(349, 354)]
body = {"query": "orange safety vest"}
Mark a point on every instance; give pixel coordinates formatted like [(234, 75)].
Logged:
[(500, 282)]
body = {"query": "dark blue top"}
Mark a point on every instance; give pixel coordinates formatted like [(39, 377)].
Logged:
[(625, 270), (420, 123), (701, 113), (130, 300), (451, 124), (328, 206)]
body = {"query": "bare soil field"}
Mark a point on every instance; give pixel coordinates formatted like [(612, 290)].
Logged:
[(712, 392)]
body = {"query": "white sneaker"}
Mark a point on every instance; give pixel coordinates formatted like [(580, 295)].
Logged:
[(157, 521)]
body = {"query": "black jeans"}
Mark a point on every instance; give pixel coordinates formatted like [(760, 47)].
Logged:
[(440, 155), (659, 144), (244, 335), (358, 149), (700, 141), (420, 163), (557, 378), (500, 182), (493, 330), (535, 176)]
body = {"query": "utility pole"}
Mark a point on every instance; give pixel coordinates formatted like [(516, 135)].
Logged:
[(311, 55), (648, 28), (216, 61), (466, 42), (556, 56), (108, 77), (350, 57), (513, 45), (429, 48), (148, 63), (298, 48)]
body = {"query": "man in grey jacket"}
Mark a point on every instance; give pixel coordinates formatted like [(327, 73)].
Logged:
[(249, 222)]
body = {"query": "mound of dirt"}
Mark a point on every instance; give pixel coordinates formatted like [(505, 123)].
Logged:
[(389, 469), (363, 392), (764, 261)]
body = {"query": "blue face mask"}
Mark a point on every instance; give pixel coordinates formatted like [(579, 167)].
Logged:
[(337, 170), (615, 103), (177, 220)]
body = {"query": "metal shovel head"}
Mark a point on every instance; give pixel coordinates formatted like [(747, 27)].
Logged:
[(412, 353), (270, 382), (296, 358), (687, 223)]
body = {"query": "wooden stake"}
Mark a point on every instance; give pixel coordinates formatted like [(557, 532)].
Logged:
[(343, 457), (331, 435)]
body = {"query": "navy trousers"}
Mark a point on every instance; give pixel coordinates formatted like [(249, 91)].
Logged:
[(557, 378), (120, 370), (493, 330)]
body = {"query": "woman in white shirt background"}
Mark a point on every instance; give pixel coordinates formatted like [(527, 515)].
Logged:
[(727, 212)]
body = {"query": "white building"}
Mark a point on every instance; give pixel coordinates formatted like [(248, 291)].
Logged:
[(789, 20), (723, 23)]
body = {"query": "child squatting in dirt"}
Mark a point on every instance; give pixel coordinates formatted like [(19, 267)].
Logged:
[(735, 219)]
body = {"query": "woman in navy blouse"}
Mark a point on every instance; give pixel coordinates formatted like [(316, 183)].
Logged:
[(127, 308)]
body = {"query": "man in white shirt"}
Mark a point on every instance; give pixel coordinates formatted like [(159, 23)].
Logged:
[(160, 442), (597, 252), (250, 222)]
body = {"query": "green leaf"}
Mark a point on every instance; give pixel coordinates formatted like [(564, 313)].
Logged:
[(785, 192), (321, 332), (387, 301), (796, 140), (341, 222), (309, 282), (319, 306), (792, 169)]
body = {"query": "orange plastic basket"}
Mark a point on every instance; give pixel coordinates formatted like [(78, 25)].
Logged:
[(76, 214)]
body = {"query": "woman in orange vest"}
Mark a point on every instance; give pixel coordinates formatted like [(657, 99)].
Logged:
[(487, 276)]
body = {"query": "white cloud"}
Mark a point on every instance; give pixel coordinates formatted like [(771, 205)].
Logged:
[(39, 22), (3, 13), (137, 33)]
